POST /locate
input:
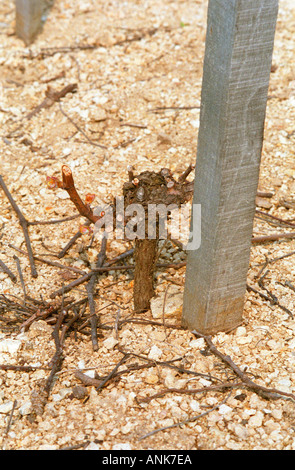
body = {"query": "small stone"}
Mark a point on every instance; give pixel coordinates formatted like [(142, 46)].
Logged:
[(98, 114), (79, 392), (224, 409), (195, 406), (100, 434), (256, 420), (110, 343), (285, 385), (6, 407), (151, 379), (205, 383), (63, 392), (211, 401), (62, 194), (171, 381), (195, 123), (90, 373), (172, 303), (263, 203), (127, 428), (155, 352), (164, 138), (66, 151), (243, 340), (197, 343), (121, 446), (100, 100), (81, 364), (232, 445), (10, 346), (271, 426), (241, 432), (241, 331), (25, 408), (105, 39), (277, 414), (93, 446)]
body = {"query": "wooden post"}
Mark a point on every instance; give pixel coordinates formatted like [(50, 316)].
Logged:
[(29, 17), (238, 54)]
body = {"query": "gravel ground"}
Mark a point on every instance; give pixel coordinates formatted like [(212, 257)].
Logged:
[(130, 60)]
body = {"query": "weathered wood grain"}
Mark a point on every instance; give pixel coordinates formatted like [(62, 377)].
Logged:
[(237, 63)]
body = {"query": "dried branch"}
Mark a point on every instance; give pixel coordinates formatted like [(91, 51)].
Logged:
[(51, 97), (7, 271), (8, 424), (186, 421), (172, 108), (191, 391), (265, 392), (265, 194), (90, 289), (185, 174), (39, 397), (50, 51), (19, 270), (112, 373), (49, 262), (72, 241), (272, 238), (54, 221), (86, 380), (273, 298), (79, 129), (24, 224), (22, 368), (278, 219)]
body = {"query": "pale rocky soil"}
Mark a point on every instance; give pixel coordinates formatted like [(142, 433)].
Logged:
[(121, 82)]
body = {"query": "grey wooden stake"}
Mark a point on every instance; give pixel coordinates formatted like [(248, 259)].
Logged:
[(29, 15), (237, 63)]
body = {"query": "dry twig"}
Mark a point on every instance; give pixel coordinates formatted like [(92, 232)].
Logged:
[(265, 392), (24, 224), (6, 270), (90, 289), (79, 129)]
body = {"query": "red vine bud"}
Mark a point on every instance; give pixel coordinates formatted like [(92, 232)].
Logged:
[(84, 229), (89, 198), (52, 182)]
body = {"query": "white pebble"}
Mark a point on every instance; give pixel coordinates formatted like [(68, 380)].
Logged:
[(92, 446), (110, 343), (121, 446), (127, 428), (6, 407), (25, 408), (10, 346), (224, 409), (240, 431), (195, 406), (155, 352), (241, 331), (256, 420)]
